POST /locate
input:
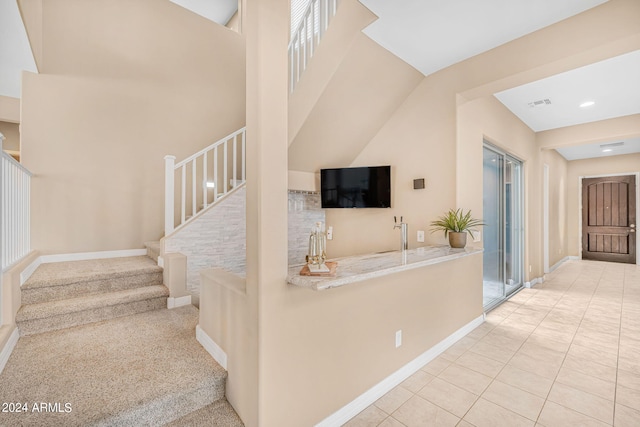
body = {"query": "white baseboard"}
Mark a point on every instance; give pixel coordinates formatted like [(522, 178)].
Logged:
[(212, 348), (27, 272), (534, 282), (82, 256), (562, 261), (178, 302), (383, 387), (8, 348)]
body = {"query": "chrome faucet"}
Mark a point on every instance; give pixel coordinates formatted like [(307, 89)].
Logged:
[(404, 233)]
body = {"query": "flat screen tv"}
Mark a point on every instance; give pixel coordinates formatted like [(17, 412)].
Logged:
[(362, 187)]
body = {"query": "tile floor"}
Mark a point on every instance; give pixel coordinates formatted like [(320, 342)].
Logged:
[(564, 353)]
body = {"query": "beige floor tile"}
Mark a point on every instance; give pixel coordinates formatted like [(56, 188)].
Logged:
[(481, 364), (593, 354), (481, 331), (589, 367), (542, 353), (416, 381), (629, 362), (436, 366), (626, 417), (417, 412), (393, 399), (492, 352), (463, 423), (561, 335), (391, 422), (628, 379), (465, 378), (583, 402), (504, 337), (370, 417), (543, 368), (602, 341), (514, 399), (448, 396), (551, 344), (487, 414), (587, 383), (628, 397), (554, 415), (458, 349), (526, 381)]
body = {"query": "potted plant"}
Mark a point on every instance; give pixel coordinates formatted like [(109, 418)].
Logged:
[(456, 224)]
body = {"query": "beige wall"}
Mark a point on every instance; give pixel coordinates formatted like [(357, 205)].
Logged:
[(117, 92), (487, 119), (11, 132), (557, 205), (9, 109), (317, 341), (624, 164)]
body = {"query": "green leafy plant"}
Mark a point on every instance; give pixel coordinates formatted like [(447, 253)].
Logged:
[(455, 221)]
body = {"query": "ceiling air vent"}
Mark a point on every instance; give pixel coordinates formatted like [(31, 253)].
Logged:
[(612, 144), (540, 103)]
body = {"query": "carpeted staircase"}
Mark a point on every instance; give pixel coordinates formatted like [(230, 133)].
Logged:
[(66, 294), (99, 347)]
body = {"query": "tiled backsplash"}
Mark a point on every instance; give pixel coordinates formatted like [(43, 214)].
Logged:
[(218, 237), (304, 212)]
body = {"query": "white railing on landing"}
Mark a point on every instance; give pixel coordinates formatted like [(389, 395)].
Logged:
[(204, 177), (307, 36), (15, 193)]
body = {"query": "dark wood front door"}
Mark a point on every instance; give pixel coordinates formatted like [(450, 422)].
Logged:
[(609, 219)]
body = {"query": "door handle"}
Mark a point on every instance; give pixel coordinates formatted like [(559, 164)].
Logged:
[(632, 225)]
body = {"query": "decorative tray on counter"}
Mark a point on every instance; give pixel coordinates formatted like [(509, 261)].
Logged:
[(331, 273)]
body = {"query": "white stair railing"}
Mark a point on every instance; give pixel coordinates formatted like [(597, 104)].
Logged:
[(15, 193), (307, 36), (203, 178)]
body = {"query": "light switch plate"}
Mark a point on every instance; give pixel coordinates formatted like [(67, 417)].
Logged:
[(420, 236)]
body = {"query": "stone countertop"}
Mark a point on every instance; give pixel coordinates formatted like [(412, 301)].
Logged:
[(362, 267)]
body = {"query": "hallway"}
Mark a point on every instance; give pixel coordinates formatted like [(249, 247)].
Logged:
[(564, 353)]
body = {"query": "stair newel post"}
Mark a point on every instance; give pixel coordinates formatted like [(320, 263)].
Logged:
[(169, 192)]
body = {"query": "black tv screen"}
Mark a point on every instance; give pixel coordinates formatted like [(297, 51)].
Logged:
[(362, 187)]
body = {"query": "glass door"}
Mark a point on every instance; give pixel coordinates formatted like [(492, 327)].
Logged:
[(503, 216)]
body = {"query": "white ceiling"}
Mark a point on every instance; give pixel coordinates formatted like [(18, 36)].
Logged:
[(434, 34), (601, 149), (15, 51), (614, 86), (219, 11)]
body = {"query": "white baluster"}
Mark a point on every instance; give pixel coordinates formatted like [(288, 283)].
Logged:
[(226, 159), (169, 191), (235, 160), (215, 174), (244, 155), (193, 188), (183, 199), (205, 198)]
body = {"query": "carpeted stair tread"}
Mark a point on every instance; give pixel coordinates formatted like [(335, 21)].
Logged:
[(64, 273), (84, 303), (153, 250), (144, 370), (218, 414)]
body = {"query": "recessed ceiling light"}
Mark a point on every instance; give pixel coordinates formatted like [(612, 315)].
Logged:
[(606, 150), (587, 104)]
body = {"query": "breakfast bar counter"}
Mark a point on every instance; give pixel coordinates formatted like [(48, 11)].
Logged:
[(362, 267)]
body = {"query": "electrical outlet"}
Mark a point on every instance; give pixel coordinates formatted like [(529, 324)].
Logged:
[(420, 236), (398, 338), (330, 233), (477, 236)]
